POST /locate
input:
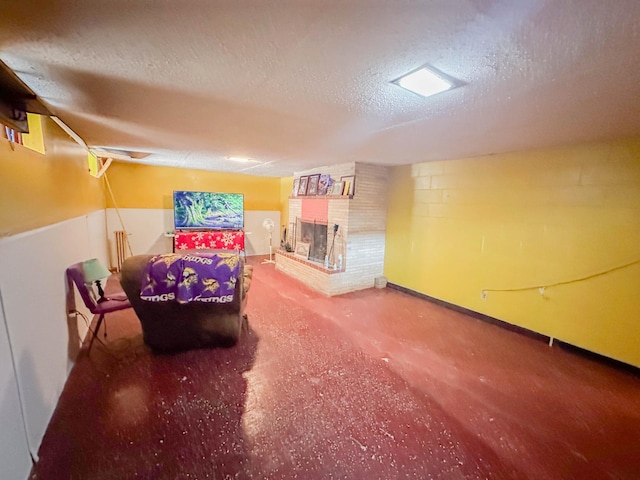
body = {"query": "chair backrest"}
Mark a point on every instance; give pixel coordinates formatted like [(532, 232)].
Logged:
[(76, 273), (173, 326)]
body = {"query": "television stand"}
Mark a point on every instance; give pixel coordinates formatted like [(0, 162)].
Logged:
[(208, 240)]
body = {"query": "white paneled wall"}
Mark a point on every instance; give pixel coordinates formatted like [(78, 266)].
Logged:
[(147, 228), (14, 450), (42, 338)]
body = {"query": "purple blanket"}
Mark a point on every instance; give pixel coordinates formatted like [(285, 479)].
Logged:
[(197, 277)]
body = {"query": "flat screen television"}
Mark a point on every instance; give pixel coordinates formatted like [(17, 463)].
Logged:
[(208, 210)]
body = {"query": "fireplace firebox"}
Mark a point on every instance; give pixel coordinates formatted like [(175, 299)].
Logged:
[(315, 234)]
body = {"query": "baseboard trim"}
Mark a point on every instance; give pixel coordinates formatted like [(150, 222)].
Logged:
[(521, 330)]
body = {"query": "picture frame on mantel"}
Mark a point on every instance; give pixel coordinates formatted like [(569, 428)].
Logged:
[(337, 188), (325, 184), (296, 185), (302, 187), (312, 189), (349, 184)]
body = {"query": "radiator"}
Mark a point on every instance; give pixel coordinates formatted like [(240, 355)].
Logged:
[(121, 248)]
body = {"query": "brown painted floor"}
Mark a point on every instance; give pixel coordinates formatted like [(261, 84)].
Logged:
[(371, 385)]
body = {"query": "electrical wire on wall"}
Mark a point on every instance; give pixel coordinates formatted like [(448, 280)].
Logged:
[(542, 287)]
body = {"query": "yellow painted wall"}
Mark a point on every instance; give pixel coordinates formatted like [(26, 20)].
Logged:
[(527, 219), (38, 190), (145, 186)]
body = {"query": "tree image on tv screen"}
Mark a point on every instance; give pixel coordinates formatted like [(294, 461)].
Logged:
[(206, 210)]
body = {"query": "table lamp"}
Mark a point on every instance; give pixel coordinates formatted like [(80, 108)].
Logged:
[(94, 271)]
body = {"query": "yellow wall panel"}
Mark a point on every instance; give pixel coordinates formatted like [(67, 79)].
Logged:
[(144, 186), (38, 190), (399, 227), (422, 183), (426, 169), (428, 196), (523, 220), (622, 196)]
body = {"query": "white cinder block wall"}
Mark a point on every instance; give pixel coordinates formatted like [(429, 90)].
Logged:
[(361, 235)]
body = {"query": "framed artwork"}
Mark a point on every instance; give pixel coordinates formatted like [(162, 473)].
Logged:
[(313, 184), (325, 184), (296, 185), (349, 184), (337, 188), (302, 187), (302, 250)]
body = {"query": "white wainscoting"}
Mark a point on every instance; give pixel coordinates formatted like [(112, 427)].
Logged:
[(43, 340), (147, 228), (14, 450)]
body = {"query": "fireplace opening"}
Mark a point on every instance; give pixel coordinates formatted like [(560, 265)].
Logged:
[(315, 234)]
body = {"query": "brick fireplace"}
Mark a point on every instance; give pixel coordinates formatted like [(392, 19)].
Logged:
[(349, 232)]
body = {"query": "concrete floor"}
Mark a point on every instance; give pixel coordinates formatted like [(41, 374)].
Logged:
[(371, 385)]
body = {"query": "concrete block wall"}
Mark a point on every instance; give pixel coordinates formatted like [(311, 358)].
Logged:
[(368, 208)]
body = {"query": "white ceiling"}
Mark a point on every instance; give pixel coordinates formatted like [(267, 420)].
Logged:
[(302, 84)]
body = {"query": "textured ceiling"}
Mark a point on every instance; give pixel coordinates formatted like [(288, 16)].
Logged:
[(302, 84)]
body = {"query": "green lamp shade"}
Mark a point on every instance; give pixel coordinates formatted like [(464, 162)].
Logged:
[(94, 270)]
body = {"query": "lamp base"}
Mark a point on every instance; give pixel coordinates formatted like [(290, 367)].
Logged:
[(100, 292)]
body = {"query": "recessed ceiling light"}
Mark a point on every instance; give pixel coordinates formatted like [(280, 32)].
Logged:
[(424, 82), (238, 159)]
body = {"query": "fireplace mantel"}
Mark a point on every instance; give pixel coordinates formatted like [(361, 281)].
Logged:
[(330, 197)]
